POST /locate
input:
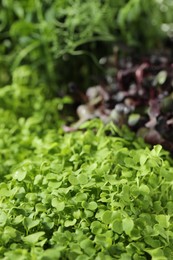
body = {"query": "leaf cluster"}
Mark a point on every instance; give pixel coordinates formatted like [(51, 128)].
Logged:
[(93, 194), (25, 114)]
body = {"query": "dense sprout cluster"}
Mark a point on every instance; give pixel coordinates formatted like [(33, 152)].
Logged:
[(96, 192), (86, 195)]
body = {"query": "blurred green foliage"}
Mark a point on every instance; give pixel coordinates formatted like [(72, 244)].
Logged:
[(63, 39), (22, 102)]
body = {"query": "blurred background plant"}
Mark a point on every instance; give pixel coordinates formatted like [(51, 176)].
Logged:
[(63, 40)]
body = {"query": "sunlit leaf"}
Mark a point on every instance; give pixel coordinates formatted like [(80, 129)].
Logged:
[(163, 220), (92, 205), (69, 223), (19, 175)]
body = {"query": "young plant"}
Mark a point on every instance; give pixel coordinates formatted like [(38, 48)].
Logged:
[(97, 193)]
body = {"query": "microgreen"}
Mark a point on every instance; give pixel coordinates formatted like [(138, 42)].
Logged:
[(96, 193), (84, 195)]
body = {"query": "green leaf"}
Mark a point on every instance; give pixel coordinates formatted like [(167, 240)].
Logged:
[(163, 220), (8, 234), (19, 175), (107, 217), (157, 206), (82, 179), (18, 219), (128, 225), (3, 218), (31, 196), (87, 246), (169, 207), (86, 243), (81, 197), (92, 206), (51, 253), (143, 159), (125, 256), (59, 205), (84, 204), (73, 180), (117, 226), (48, 222), (156, 150), (40, 207), (33, 238), (69, 223), (29, 223), (103, 240), (156, 254), (96, 227), (150, 241), (77, 214), (88, 213), (144, 189)]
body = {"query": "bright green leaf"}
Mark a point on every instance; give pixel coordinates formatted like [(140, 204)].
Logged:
[(143, 159), (19, 175), (92, 205), (163, 220), (69, 223), (73, 179), (107, 217), (59, 205)]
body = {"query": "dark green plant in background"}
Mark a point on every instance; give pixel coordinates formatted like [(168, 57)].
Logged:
[(54, 37), (42, 33), (144, 24)]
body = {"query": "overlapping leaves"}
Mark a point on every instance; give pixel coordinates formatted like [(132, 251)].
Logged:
[(86, 195)]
